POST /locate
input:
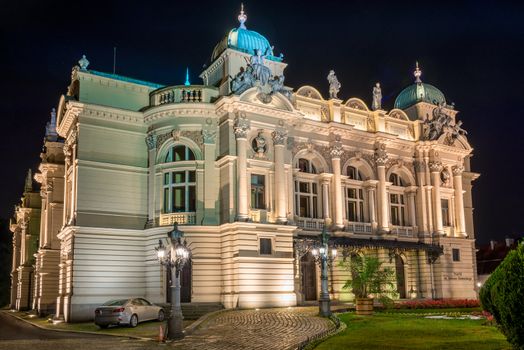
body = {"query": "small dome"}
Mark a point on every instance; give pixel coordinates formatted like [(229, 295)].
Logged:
[(419, 92), (244, 40)]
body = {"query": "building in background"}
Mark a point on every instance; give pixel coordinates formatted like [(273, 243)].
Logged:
[(252, 170), (489, 257)]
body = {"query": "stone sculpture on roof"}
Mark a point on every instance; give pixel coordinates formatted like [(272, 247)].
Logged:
[(442, 124), (377, 97), (334, 84)]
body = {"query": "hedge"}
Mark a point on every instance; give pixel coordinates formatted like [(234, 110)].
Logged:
[(503, 296)]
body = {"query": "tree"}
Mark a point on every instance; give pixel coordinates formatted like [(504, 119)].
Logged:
[(503, 296)]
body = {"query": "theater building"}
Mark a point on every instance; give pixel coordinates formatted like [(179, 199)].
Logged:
[(251, 170)]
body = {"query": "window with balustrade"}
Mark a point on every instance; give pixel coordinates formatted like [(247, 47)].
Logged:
[(179, 182), (397, 200), (306, 199), (354, 195)]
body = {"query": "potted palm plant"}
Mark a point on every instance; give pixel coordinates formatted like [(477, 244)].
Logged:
[(368, 278)]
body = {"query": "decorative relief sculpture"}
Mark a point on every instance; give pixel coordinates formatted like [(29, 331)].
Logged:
[(381, 156), (435, 166), (175, 134), (209, 135), (336, 149), (258, 75), (457, 170), (442, 124), (279, 136), (151, 141), (260, 144), (445, 177), (334, 84), (377, 97), (241, 126)]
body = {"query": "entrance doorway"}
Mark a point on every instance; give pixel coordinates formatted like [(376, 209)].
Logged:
[(185, 283), (401, 278), (309, 277)]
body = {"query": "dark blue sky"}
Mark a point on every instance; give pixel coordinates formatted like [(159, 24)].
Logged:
[(473, 51)]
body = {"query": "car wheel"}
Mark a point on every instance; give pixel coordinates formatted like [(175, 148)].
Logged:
[(133, 322), (103, 326), (161, 315)]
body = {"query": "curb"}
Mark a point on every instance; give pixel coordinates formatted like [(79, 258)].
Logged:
[(202, 320), (73, 331)]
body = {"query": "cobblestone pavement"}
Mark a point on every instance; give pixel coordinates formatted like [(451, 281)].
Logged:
[(266, 329)]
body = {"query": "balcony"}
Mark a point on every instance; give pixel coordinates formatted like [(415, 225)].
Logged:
[(181, 218), (402, 231), (363, 228), (183, 94), (310, 224)]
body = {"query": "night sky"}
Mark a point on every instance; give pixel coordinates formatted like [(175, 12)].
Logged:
[(472, 51)]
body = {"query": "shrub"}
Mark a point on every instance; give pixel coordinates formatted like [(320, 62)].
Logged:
[(368, 276), (437, 304), (503, 296)]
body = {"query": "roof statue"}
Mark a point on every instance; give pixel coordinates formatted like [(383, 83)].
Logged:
[(377, 97), (334, 84), (442, 123), (50, 128), (417, 73), (187, 83), (83, 62), (28, 186)]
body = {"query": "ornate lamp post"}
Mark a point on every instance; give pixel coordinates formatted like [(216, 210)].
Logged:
[(324, 257), (175, 258)]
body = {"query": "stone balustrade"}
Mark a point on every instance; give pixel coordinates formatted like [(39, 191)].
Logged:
[(180, 218), (183, 94)]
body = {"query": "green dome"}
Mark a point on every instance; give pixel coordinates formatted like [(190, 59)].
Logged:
[(244, 40), (419, 92)]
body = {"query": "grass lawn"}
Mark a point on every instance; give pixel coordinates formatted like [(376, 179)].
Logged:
[(143, 330), (397, 331)]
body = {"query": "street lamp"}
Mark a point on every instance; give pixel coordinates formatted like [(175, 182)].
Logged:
[(175, 258), (324, 256)]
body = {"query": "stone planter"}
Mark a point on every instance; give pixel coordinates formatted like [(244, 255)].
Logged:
[(364, 306)]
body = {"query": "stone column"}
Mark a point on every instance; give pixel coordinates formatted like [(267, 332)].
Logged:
[(420, 167), (381, 158), (151, 156), (411, 193), (436, 167), (336, 151), (459, 200), (325, 199), (370, 186), (241, 129), (211, 177), (279, 142)]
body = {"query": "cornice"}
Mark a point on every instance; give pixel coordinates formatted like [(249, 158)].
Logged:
[(180, 110)]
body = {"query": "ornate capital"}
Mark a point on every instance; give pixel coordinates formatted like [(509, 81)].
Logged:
[(209, 136), (420, 166), (435, 166), (279, 136), (381, 156), (241, 126), (457, 170), (151, 141), (336, 150)]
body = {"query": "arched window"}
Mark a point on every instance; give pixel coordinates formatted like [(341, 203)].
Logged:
[(306, 166), (354, 174), (396, 180), (179, 153)]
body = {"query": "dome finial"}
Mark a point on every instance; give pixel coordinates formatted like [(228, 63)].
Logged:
[(417, 73), (242, 17)]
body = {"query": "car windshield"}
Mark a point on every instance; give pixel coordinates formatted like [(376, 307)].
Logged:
[(115, 302)]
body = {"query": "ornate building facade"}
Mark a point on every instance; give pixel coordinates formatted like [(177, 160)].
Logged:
[(252, 170)]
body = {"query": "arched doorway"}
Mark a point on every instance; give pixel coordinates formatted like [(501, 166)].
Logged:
[(401, 278), (185, 283), (309, 277)]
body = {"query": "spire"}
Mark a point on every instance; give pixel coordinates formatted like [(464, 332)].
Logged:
[(28, 187), (50, 128), (417, 73), (242, 17), (187, 83)]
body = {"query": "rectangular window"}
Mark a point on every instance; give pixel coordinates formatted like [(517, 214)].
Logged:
[(258, 192), (397, 209), (306, 199), (265, 246), (456, 254), (179, 192), (445, 212), (355, 204)]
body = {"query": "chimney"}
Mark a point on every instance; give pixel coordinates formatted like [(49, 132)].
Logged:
[(509, 242), (492, 244)]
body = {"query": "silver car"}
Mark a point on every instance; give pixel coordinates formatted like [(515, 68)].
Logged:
[(127, 312)]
